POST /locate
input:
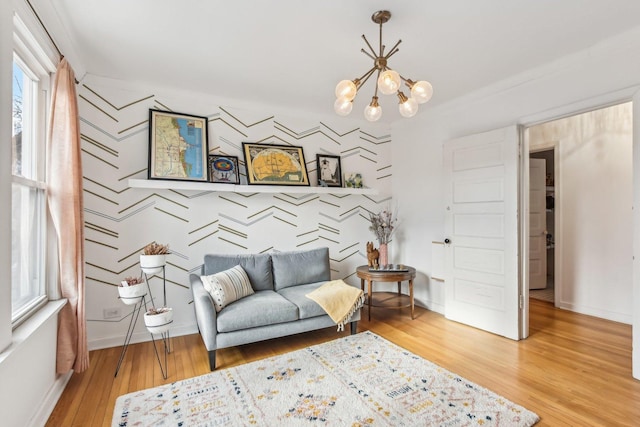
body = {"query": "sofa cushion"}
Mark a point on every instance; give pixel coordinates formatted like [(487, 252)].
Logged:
[(260, 309), (257, 267), (306, 306), (227, 286), (300, 267)]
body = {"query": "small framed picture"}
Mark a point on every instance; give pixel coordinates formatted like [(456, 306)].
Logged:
[(269, 164), (353, 180), (329, 170), (178, 146), (223, 169)]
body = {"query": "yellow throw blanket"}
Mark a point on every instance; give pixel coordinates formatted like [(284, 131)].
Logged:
[(339, 300)]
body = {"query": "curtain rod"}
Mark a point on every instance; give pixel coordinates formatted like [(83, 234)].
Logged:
[(47, 32), (45, 28)]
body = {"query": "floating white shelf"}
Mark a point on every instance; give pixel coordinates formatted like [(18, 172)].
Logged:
[(232, 188)]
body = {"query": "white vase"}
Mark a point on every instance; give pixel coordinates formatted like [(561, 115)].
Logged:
[(152, 264), (158, 323), (132, 294)]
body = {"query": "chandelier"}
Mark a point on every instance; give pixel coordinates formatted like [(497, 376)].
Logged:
[(388, 81)]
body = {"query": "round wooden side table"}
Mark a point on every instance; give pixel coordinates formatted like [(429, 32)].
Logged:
[(387, 299)]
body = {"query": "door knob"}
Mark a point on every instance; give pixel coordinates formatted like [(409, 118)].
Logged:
[(447, 241)]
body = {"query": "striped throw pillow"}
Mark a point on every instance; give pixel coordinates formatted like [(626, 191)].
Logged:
[(227, 286)]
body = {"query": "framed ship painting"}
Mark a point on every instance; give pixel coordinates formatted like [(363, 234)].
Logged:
[(269, 164)]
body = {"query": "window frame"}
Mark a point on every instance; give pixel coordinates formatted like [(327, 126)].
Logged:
[(32, 58)]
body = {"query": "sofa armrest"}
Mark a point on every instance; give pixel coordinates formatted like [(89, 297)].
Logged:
[(205, 312)]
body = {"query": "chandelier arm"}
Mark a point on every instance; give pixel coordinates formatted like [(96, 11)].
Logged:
[(376, 91), (393, 50), (366, 76), (409, 82), (369, 45), (368, 54)]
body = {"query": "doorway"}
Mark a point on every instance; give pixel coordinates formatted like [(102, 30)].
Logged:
[(542, 224), (591, 246)]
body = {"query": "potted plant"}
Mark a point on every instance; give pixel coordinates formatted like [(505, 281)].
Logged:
[(157, 320), (153, 257), (131, 290)]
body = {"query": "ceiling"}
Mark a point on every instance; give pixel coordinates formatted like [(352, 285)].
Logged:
[(291, 53)]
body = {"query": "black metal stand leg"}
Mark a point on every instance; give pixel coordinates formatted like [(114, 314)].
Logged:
[(165, 340), (164, 288), (132, 323)]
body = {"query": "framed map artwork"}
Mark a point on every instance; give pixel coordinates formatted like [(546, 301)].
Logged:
[(224, 169), (178, 146), (275, 164)]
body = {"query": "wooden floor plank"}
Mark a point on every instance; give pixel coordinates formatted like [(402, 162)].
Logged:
[(572, 370)]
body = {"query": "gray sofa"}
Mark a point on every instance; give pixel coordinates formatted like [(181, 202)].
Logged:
[(278, 307)]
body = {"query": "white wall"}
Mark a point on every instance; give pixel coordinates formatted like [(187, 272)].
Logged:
[(6, 55), (606, 73), (594, 200), (30, 387), (120, 220)]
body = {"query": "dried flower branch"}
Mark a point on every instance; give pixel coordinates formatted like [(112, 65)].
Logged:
[(154, 248), (383, 225)]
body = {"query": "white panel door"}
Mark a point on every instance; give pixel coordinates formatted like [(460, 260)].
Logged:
[(537, 224), (481, 226)]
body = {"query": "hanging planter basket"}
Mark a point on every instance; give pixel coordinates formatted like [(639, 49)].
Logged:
[(131, 294), (158, 320), (152, 264)]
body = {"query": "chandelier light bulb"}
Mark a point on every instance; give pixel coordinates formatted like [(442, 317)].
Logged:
[(373, 111), (421, 91), (408, 107), (346, 89), (389, 82), (343, 106)]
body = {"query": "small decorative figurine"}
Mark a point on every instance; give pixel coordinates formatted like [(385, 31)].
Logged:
[(372, 255)]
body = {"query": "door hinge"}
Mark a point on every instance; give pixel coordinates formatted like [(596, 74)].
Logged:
[(521, 302)]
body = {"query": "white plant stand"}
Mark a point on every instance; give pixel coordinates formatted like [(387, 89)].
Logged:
[(164, 336)]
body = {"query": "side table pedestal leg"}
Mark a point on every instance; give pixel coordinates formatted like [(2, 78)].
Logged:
[(370, 295)]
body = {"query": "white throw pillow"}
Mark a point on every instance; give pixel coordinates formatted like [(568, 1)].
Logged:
[(227, 286)]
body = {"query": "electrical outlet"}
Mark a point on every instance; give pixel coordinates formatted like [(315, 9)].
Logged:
[(112, 313)]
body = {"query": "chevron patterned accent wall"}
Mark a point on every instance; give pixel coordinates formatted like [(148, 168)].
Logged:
[(120, 221)]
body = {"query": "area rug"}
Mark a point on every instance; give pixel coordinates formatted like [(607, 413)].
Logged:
[(358, 380)]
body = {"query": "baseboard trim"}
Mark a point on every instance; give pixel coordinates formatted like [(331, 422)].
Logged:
[(596, 312), (50, 400), (430, 305), (140, 336)]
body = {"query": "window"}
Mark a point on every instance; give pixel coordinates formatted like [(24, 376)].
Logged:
[(28, 217)]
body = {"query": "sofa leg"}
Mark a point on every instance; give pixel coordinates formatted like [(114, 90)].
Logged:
[(212, 360), (354, 327)]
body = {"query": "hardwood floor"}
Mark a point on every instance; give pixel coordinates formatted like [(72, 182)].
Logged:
[(573, 370)]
